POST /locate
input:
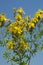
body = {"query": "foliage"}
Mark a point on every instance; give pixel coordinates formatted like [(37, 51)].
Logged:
[(21, 38)]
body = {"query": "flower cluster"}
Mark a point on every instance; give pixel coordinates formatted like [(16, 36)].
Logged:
[(3, 19), (39, 14), (24, 44), (23, 24), (10, 44), (36, 18)]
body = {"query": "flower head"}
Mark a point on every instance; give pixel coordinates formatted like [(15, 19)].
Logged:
[(10, 44), (31, 25), (20, 10)]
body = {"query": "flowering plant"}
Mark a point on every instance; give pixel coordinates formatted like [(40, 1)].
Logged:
[(21, 38)]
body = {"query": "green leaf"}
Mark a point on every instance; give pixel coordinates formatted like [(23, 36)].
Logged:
[(1, 42), (13, 58), (42, 47), (23, 63), (6, 55), (40, 33)]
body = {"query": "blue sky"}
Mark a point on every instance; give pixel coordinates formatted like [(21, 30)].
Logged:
[(30, 7)]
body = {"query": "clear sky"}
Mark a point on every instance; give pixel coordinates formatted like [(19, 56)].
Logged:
[(30, 7)]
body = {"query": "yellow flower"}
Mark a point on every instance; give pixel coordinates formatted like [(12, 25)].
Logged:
[(2, 18), (25, 45), (40, 11), (31, 25), (39, 14), (10, 29), (18, 17), (15, 29), (11, 24), (18, 29), (20, 10), (21, 22), (10, 44), (34, 20)]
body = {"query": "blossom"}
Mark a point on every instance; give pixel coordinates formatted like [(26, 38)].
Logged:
[(18, 17), (10, 44), (34, 20), (31, 25), (2, 18), (15, 29), (20, 10), (24, 45), (39, 14)]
